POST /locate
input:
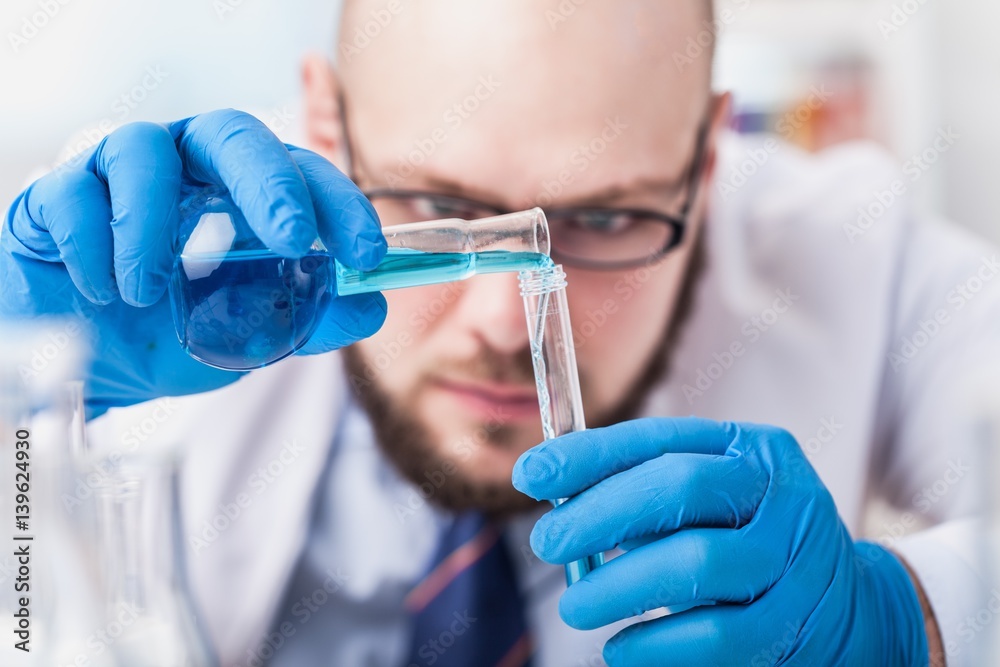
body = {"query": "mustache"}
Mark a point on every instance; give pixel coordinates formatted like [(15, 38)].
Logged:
[(489, 365)]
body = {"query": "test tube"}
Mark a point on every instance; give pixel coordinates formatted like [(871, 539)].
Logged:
[(556, 377), (440, 251)]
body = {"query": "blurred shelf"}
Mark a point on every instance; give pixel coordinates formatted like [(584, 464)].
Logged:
[(779, 56)]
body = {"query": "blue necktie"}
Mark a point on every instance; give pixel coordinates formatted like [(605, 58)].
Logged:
[(467, 610)]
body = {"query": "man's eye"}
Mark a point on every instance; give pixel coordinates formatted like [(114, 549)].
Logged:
[(427, 209), (601, 223), (430, 209)]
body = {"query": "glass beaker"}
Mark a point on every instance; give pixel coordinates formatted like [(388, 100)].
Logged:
[(49, 602), (238, 306)]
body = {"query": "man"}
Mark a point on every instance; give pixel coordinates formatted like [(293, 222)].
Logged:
[(341, 507)]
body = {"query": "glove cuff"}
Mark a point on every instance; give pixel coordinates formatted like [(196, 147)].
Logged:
[(886, 586)]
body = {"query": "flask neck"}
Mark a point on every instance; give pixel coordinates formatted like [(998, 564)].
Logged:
[(521, 232)]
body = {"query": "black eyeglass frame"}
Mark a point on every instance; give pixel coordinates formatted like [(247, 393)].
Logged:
[(677, 223)]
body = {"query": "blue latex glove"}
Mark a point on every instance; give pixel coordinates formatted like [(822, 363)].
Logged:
[(94, 238), (730, 513)]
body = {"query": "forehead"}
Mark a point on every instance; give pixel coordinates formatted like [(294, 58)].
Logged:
[(503, 96)]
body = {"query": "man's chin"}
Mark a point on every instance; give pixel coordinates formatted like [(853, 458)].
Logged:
[(468, 464), (466, 467), (480, 484), (486, 462)]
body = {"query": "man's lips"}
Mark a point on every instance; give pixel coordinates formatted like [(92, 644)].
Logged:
[(516, 400)]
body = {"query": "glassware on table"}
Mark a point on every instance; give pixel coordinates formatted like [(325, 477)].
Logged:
[(144, 573), (49, 600)]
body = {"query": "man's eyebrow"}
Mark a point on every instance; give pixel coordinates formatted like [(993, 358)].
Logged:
[(447, 186), (609, 194), (640, 186)]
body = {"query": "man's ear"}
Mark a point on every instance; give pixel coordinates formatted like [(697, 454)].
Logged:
[(323, 127), (721, 118)]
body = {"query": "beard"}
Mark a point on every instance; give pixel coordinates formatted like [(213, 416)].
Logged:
[(412, 449)]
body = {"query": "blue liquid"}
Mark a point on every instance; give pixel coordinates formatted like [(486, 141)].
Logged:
[(245, 309), (403, 267), (248, 308)]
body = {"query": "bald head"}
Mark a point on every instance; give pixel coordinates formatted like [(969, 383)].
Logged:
[(512, 88), (357, 16)]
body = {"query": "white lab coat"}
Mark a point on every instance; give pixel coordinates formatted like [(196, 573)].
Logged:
[(796, 323)]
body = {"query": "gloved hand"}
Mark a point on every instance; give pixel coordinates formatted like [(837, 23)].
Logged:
[(93, 238), (726, 513)]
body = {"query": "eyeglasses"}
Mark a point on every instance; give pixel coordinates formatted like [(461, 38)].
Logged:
[(586, 237)]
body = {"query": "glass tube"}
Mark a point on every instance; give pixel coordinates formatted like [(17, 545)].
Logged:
[(440, 251), (556, 376)]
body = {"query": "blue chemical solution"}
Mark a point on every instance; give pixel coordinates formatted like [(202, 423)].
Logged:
[(403, 267), (245, 309)]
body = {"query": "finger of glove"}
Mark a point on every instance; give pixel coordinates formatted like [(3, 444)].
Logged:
[(235, 150), (659, 496), (710, 635), (348, 224), (567, 465), (65, 216), (629, 545), (347, 320), (692, 565), (139, 162)]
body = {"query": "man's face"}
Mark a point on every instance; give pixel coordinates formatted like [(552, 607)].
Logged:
[(497, 101)]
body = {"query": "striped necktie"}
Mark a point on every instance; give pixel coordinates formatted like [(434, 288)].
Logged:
[(467, 610)]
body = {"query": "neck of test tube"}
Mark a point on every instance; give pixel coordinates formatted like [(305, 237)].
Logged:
[(557, 379), (552, 351), (439, 251)]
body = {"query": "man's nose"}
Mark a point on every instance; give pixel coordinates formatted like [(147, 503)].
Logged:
[(493, 310)]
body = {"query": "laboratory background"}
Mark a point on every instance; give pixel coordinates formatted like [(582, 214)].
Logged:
[(919, 77), (107, 62)]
